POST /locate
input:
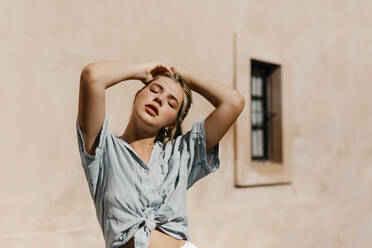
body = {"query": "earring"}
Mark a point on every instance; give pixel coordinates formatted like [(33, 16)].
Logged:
[(166, 132)]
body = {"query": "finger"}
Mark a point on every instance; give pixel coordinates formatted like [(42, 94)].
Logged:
[(148, 78), (169, 70), (162, 68), (174, 70)]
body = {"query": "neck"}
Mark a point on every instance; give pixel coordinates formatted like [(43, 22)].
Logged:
[(141, 140)]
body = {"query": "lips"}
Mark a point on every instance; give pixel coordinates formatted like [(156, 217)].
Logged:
[(154, 108)]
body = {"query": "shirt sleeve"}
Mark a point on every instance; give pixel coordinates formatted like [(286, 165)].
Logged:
[(200, 163), (92, 165)]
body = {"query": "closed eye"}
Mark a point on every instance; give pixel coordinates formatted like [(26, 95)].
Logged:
[(169, 103), (173, 106)]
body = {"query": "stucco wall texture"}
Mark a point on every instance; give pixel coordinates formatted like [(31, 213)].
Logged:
[(327, 117)]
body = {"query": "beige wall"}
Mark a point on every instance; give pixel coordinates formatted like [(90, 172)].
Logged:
[(326, 47)]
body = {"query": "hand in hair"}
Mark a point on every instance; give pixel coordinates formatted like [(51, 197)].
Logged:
[(151, 69), (174, 70)]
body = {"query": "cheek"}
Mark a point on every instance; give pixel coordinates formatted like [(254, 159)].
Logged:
[(145, 94), (170, 114), (142, 97)]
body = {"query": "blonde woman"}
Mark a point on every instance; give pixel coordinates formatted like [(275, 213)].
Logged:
[(138, 180)]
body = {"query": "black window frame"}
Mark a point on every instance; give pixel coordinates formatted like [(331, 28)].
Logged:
[(263, 69)]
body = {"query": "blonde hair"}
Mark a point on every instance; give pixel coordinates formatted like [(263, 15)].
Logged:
[(176, 130)]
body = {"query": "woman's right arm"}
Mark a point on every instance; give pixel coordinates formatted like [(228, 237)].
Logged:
[(95, 78), (109, 73)]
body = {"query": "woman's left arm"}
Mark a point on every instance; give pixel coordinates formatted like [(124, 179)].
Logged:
[(228, 102)]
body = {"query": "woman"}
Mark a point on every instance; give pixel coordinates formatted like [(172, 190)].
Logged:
[(138, 181)]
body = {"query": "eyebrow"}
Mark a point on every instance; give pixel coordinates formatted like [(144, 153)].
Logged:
[(162, 88)]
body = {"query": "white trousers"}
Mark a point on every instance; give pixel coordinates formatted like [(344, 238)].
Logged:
[(188, 244)]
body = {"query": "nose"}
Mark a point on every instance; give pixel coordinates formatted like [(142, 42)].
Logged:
[(158, 100)]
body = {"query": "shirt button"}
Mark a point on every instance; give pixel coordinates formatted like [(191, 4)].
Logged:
[(163, 219)]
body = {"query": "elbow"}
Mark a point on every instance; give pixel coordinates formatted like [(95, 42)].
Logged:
[(88, 74), (235, 101), (238, 101)]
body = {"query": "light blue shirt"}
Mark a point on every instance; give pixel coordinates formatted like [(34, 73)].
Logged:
[(130, 195)]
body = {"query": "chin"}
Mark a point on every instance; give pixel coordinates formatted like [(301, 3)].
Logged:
[(146, 118)]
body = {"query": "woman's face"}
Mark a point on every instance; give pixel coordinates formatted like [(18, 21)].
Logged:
[(165, 96)]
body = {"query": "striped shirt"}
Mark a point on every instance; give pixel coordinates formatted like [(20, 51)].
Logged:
[(132, 198)]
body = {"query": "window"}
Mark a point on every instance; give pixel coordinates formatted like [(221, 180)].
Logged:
[(265, 112), (260, 157)]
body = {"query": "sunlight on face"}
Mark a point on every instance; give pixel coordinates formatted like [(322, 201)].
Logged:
[(166, 95), (167, 89)]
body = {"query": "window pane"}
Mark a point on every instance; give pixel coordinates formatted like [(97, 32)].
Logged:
[(257, 143), (257, 112), (257, 84)]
